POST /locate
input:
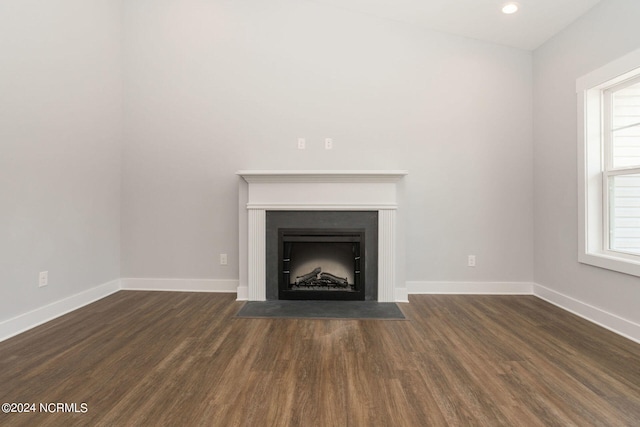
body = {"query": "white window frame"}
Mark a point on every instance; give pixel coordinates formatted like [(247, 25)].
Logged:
[(593, 221)]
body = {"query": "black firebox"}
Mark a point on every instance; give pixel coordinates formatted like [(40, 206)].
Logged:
[(321, 264)]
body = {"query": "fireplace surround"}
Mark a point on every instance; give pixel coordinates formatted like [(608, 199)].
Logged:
[(262, 192)]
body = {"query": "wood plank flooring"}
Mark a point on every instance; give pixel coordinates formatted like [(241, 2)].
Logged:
[(181, 359)]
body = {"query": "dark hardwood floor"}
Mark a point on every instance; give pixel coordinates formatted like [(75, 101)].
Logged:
[(160, 358)]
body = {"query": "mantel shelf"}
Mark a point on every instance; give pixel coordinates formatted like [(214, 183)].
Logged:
[(322, 176)]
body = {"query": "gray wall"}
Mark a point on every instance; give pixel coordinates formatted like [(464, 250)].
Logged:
[(214, 87), (60, 151), (607, 32)]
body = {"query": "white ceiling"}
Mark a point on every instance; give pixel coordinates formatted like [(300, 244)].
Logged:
[(532, 25)]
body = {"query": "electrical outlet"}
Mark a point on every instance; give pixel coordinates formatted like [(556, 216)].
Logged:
[(223, 259), (43, 279), (471, 261), (302, 144), (328, 143)]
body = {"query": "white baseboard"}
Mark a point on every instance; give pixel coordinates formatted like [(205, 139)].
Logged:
[(243, 293), (180, 285), (401, 294), (612, 322), (477, 288), (33, 318)]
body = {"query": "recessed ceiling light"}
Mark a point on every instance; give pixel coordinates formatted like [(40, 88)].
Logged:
[(510, 8)]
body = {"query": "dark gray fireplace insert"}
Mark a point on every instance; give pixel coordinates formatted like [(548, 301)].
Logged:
[(322, 255)]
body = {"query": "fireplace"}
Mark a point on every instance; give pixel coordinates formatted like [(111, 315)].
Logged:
[(319, 202), (325, 255)]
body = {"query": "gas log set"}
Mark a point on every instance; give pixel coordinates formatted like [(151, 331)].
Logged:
[(319, 280)]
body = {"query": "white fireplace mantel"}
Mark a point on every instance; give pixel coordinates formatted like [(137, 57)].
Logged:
[(265, 190), (336, 176)]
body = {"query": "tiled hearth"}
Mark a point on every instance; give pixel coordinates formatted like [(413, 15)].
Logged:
[(262, 191)]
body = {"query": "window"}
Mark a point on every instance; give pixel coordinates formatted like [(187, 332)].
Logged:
[(609, 179), (621, 143)]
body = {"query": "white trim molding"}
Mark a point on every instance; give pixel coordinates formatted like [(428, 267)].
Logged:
[(593, 225), (257, 287), (179, 285), (33, 318), (401, 295), (323, 176), (610, 321), (471, 288), (242, 293), (386, 255)]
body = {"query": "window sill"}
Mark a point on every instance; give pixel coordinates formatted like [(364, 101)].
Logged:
[(612, 262)]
